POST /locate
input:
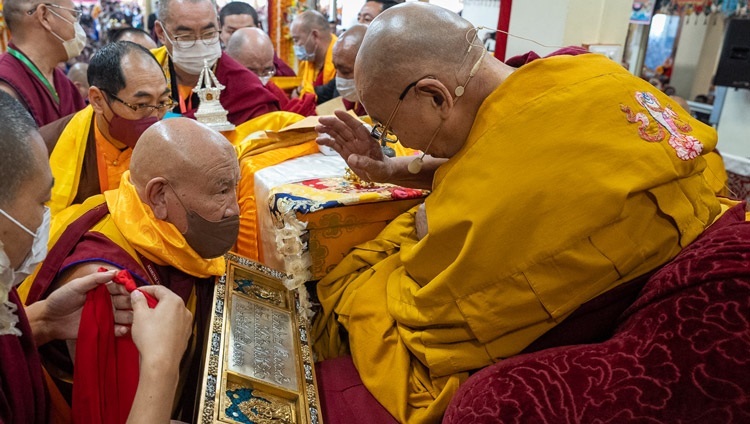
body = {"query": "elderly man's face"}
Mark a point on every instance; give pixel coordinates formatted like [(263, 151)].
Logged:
[(209, 190), (28, 206), (383, 103), (343, 60), (188, 20), (368, 12), (259, 63), (234, 22)]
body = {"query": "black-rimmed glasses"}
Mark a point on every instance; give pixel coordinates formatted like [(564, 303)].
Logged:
[(142, 106)]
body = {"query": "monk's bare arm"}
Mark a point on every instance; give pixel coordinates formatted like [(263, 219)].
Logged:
[(57, 317), (120, 296)]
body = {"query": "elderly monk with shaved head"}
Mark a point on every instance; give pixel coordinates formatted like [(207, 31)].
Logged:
[(169, 222), (252, 48), (551, 184)]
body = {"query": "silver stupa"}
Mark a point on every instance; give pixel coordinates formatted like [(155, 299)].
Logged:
[(210, 111)]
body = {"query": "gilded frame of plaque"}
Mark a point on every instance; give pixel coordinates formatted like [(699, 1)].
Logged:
[(258, 364)]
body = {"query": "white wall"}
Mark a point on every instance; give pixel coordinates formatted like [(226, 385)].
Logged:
[(734, 123), (562, 23), (710, 52), (689, 50), (541, 20), (482, 13)]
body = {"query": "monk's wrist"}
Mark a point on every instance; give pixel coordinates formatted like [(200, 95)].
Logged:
[(41, 329)]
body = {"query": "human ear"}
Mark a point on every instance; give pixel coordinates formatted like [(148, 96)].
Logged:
[(97, 100), (44, 17), (155, 197), (439, 95), (159, 30)]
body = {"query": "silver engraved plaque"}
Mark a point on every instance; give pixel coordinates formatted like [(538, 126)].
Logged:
[(261, 344), (257, 365)]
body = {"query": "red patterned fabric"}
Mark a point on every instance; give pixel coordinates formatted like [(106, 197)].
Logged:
[(680, 354)]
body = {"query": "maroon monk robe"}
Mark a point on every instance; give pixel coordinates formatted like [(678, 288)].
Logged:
[(23, 397), (244, 96), (282, 69), (34, 94), (304, 105), (355, 106), (77, 245)]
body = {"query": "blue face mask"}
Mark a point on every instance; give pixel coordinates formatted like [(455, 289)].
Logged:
[(301, 52)]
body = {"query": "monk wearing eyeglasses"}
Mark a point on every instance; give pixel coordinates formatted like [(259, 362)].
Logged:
[(552, 184), (91, 149), (43, 35), (189, 30)]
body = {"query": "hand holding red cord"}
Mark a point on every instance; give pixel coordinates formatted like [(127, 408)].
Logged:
[(124, 278)]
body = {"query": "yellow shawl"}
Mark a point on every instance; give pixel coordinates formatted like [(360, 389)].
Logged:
[(555, 198), (309, 74), (66, 160), (157, 240)]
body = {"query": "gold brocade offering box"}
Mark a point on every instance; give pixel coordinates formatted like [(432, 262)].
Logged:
[(258, 364)]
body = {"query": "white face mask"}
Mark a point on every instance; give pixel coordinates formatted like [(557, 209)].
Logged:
[(264, 80), (75, 45), (347, 89), (38, 249), (190, 59)]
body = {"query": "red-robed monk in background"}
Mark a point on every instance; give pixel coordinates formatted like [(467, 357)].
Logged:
[(189, 31), (252, 48), (42, 36), (168, 223), (24, 224)]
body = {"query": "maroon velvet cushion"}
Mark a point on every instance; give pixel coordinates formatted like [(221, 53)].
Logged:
[(344, 399), (680, 354)]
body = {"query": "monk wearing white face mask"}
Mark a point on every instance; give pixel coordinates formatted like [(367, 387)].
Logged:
[(43, 35), (24, 227), (189, 30)]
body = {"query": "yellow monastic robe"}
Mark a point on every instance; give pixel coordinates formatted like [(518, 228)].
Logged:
[(66, 160), (309, 74), (575, 177)]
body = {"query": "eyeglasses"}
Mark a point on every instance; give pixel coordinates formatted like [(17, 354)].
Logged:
[(144, 107), (76, 13), (382, 132), (208, 38), (261, 73)]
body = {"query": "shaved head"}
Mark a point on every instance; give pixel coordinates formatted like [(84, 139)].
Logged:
[(14, 12), (251, 47), (78, 73), (346, 48), (310, 20), (410, 41), (425, 58), (189, 146), (182, 169)]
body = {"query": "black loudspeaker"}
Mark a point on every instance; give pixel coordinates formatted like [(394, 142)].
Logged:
[(734, 63)]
